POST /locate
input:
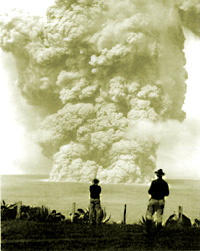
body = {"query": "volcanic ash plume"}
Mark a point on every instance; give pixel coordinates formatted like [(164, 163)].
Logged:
[(95, 68)]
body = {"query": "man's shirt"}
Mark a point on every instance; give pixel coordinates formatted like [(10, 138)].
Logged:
[(158, 189), (95, 191)]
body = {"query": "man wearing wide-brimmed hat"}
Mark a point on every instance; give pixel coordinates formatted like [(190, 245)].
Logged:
[(158, 190)]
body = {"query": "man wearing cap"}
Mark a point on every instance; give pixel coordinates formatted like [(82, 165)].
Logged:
[(158, 190), (95, 207)]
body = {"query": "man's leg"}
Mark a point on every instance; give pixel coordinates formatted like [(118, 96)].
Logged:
[(98, 212), (149, 215), (159, 213), (92, 212)]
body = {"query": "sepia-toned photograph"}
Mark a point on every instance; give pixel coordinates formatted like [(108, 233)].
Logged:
[(100, 129)]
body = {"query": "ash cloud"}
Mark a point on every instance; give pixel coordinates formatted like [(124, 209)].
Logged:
[(189, 11), (94, 69), (178, 146)]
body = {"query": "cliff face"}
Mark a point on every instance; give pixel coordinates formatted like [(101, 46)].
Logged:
[(94, 69)]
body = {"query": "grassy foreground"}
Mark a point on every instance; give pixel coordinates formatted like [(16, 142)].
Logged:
[(29, 235)]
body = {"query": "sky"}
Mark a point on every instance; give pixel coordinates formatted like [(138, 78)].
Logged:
[(18, 147)]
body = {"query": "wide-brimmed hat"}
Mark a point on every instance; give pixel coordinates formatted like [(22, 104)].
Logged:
[(159, 172)]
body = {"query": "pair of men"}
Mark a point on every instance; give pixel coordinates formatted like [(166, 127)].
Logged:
[(158, 190)]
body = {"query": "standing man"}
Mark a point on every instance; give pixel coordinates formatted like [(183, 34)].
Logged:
[(95, 211), (158, 190)]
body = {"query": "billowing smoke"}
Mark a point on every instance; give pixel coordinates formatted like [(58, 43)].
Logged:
[(93, 69), (189, 11)]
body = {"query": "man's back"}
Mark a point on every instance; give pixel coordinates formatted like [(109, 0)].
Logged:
[(159, 189), (95, 191)]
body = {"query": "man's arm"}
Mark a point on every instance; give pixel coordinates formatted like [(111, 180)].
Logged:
[(167, 190)]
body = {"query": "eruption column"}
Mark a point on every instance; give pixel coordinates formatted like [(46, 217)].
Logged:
[(94, 69)]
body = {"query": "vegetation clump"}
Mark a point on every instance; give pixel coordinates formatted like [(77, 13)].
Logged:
[(44, 214)]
